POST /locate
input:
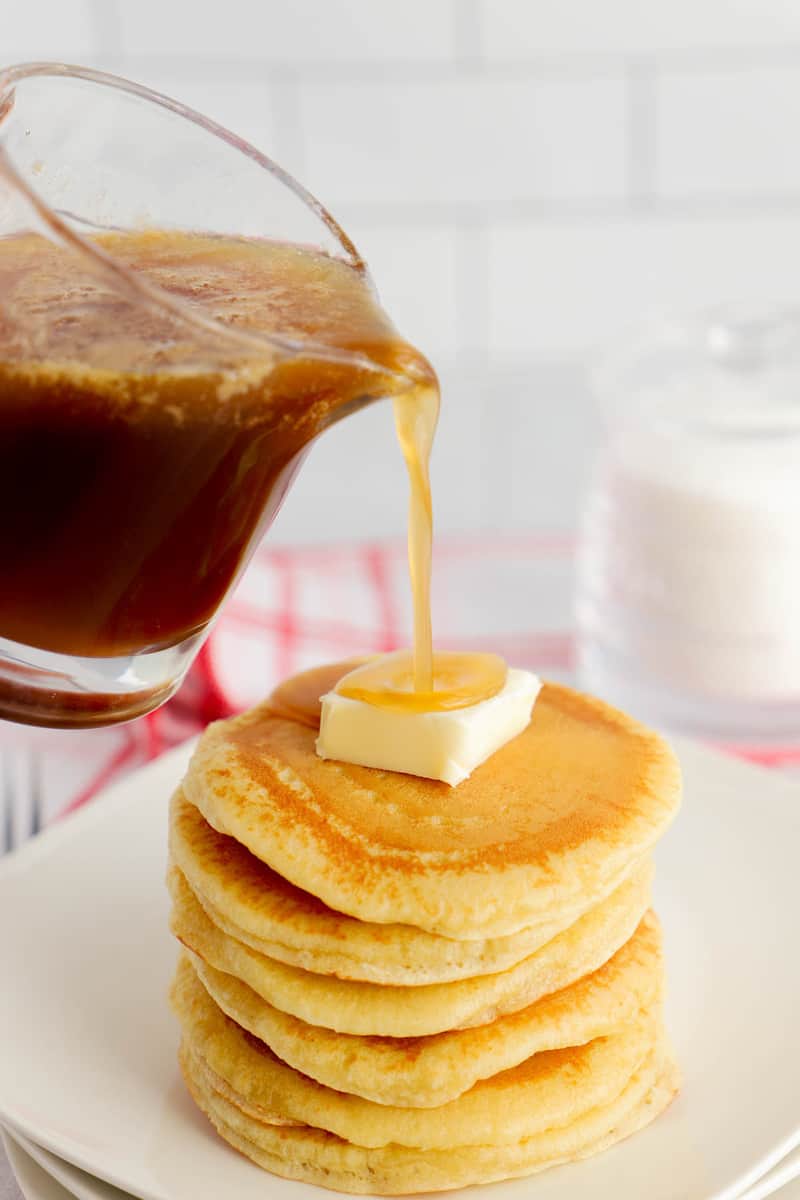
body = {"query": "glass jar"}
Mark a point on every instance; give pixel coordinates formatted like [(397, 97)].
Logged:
[(688, 576)]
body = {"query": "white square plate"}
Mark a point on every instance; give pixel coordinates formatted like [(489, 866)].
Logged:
[(87, 1045)]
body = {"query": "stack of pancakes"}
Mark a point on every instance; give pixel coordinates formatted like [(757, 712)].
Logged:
[(390, 985)]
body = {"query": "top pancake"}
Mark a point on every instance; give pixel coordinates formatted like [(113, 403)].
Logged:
[(571, 802)]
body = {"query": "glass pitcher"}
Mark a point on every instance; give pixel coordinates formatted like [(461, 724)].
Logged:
[(147, 439)]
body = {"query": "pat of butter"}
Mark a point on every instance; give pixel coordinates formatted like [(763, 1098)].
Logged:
[(436, 745)]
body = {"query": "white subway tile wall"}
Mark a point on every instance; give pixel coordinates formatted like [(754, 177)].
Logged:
[(454, 145), (244, 105), (290, 34), (560, 287), (730, 133), (527, 178), (42, 29), (517, 29)]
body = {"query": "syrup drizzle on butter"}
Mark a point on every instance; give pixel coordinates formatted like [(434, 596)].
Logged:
[(459, 680)]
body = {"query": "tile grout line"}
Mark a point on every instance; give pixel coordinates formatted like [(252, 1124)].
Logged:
[(291, 143), (642, 134), (468, 49)]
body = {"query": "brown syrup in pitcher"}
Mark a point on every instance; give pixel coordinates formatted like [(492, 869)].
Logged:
[(141, 454), (131, 492)]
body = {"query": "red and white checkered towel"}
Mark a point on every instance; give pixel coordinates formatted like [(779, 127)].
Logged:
[(297, 607)]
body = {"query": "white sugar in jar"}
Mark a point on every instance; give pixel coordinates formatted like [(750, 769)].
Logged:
[(688, 581)]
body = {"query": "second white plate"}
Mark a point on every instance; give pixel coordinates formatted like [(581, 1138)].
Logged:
[(44, 1176)]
